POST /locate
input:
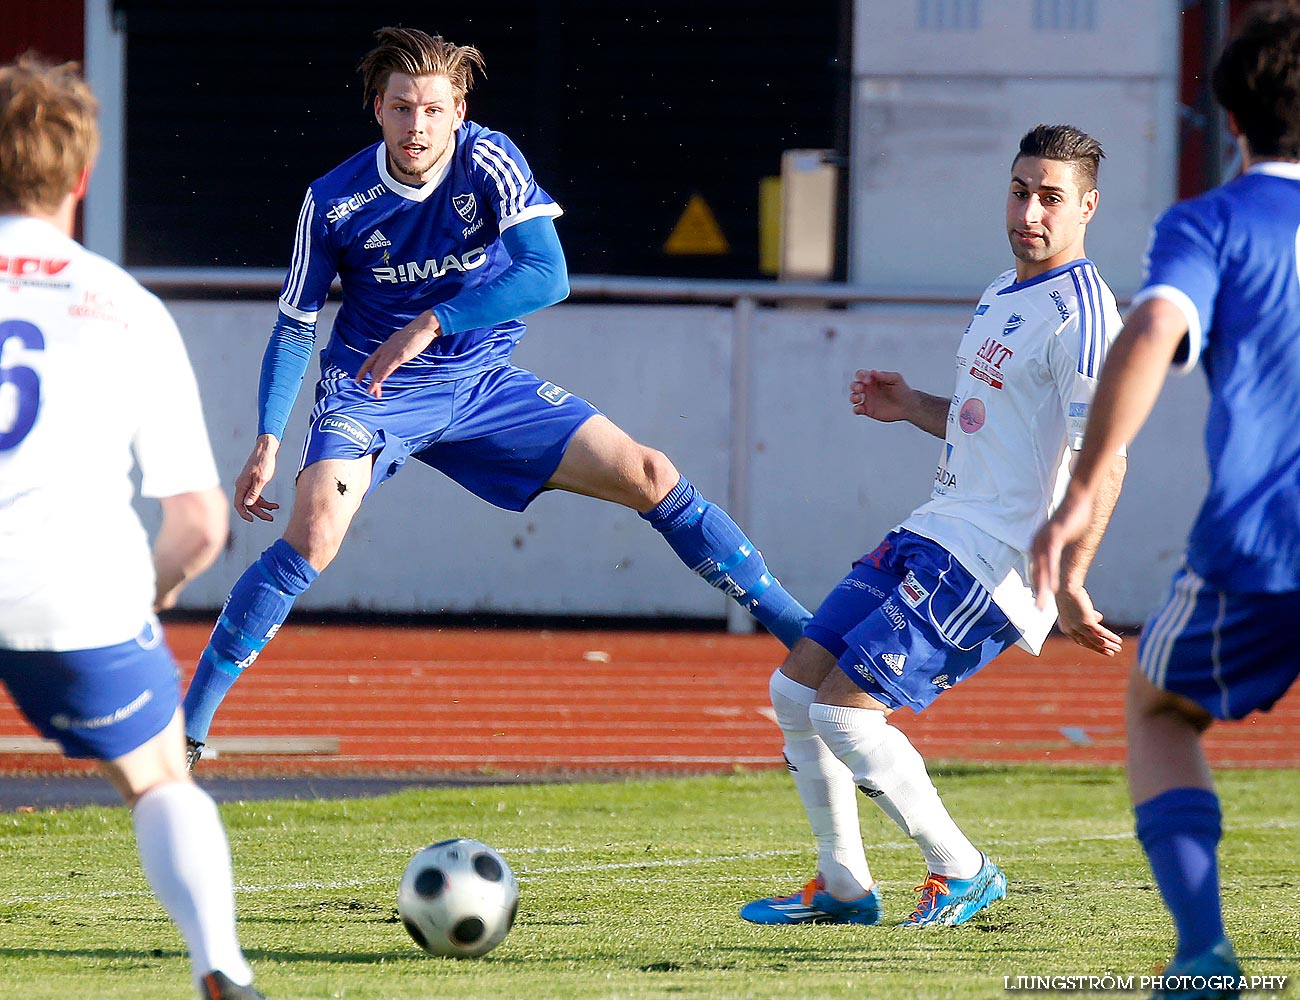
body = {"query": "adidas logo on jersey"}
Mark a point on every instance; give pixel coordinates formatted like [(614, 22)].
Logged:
[(894, 661), (377, 240)]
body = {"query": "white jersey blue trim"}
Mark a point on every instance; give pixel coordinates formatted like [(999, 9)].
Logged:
[(1032, 347), (1092, 343)]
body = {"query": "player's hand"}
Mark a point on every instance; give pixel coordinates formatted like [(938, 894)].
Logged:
[(1067, 524), (883, 396), (1077, 618), (400, 347), (257, 472)]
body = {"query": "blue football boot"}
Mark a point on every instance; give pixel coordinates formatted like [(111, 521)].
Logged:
[(1212, 975), (814, 905), (949, 901)]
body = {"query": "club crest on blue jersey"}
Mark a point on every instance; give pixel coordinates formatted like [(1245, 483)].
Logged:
[(465, 206), (1014, 322)]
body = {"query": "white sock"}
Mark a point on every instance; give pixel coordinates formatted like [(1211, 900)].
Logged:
[(889, 770), (186, 859), (826, 789)]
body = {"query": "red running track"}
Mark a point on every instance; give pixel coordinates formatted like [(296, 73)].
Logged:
[(383, 700)]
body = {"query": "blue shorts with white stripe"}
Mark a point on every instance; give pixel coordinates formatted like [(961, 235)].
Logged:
[(909, 622), (1231, 653)]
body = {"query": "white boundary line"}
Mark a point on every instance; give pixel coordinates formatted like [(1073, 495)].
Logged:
[(661, 863)]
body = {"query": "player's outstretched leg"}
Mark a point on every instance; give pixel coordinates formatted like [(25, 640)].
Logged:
[(256, 608), (707, 540), (961, 881)]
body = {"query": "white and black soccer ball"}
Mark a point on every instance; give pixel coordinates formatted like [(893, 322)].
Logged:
[(458, 898)]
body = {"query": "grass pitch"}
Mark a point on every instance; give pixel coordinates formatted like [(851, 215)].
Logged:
[(630, 892)]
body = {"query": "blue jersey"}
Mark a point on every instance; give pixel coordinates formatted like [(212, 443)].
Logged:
[(1228, 259), (399, 250)]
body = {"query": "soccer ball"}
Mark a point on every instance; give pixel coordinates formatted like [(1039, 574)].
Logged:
[(458, 898)]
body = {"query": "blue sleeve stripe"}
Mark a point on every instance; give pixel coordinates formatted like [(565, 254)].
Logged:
[(301, 253), (1091, 313), (510, 180)]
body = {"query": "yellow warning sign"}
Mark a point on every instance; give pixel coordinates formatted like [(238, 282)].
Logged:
[(697, 232)]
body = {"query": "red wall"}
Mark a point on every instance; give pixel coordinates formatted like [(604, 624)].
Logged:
[(1195, 92), (56, 29)]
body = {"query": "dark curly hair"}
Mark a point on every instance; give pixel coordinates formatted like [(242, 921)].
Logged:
[(1257, 79)]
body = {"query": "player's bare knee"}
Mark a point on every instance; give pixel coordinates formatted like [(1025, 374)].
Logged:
[(1146, 704), (658, 475), (315, 541), (808, 664)]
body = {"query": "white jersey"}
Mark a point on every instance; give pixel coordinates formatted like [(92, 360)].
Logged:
[(1026, 372), (92, 368)]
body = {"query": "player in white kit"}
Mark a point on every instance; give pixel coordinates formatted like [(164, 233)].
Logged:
[(81, 649), (947, 590)]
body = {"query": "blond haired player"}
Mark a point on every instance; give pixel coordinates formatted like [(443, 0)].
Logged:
[(81, 650)]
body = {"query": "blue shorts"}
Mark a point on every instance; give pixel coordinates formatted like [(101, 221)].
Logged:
[(1232, 654), (500, 433), (97, 703), (909, 622)]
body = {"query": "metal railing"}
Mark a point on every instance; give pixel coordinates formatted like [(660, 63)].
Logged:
[(179, 281)]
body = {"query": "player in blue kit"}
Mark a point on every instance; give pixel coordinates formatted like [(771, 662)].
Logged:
[(1222, 288), (441, 239)]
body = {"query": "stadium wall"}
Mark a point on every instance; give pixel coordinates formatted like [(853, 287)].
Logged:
[(751, 406)]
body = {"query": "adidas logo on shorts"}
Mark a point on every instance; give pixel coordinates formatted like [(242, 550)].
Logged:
[(377, 240), (894, 661)]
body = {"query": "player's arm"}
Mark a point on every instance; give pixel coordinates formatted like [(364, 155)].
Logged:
[(193, 532), (312, 270), (536, 277), (174, 456), (1130, 383), (1076, 616), (886, 396), (284, 365)]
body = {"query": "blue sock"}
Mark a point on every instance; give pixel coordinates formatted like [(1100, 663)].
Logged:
[(707, 540), (258, 604), (1180, 830)]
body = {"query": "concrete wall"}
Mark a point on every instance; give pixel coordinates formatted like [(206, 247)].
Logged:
[(944, 89), (821, 485)]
